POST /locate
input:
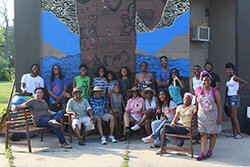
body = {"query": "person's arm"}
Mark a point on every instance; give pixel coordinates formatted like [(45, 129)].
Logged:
[(242, 82), (217, 86), (191, 85), (19, 107), (152, 80), (74, 83), (218, 103), (91, 115), (136, 80), (23, 85), (182, 85), (176, 117)]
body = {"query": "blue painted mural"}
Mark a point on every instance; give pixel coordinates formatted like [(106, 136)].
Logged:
[(61, 38)]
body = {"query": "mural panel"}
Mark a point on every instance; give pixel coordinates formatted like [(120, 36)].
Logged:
[(114, 33)]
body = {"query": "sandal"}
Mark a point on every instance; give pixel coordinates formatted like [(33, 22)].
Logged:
[(238, 137), (81, 142), (155, 146), (230, 135)]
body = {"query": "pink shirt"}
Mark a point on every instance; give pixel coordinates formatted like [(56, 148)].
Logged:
[(134, 105), (199, 89)]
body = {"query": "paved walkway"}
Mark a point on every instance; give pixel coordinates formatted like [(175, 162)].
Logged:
[(228, 152)]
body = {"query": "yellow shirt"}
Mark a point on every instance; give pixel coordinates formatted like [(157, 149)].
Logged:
[(185, 114)]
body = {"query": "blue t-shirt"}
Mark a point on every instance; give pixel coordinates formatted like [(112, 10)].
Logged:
[(175, 93), (98, 104), (163, 76), (57, 88), (102, 82)]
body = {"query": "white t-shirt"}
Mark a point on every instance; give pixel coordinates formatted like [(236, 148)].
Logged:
[(31, 83), (168, 111)]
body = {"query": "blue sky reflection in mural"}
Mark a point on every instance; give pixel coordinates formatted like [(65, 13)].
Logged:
[(61, 42)]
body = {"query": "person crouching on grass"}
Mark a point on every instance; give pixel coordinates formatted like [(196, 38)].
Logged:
[(208, 103)]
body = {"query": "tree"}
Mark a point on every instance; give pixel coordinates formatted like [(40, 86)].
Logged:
[(8, 34)]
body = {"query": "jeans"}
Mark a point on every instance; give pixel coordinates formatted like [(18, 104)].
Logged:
[(157, 126), (44, 122)]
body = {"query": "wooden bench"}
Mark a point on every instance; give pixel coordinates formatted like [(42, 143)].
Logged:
[(21, 121), (193, 133)]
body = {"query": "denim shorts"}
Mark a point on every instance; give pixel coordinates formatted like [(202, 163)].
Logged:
[(233, 100)]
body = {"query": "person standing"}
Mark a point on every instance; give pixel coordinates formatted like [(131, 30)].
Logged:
[(175, 86), (144, 79), (57, 89), (82, 81), (215, 82), (32, 80), (163, 74), (234, 85), (195, 81), (209, 111), (125, 82)]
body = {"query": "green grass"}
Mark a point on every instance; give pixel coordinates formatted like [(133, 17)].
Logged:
[(125, 159), (5, 90), (9, 156)]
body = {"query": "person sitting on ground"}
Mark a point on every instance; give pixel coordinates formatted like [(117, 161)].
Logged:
[(99, 105), (57, 89), (182, 116), (144, 79), (149, 112), (32, 80), (165, 112), (82, 114), (82, 81), (133, 110), (44, 117)]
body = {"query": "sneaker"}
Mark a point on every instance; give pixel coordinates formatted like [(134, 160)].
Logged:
[(112, 139), (148, 139), (103, 140), (209, 154), (65, 145), (201, 157), (158, 152), (135, 127), (238, 137), (54, 123)]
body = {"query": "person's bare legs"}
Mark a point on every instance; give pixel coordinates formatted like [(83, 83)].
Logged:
[(234, 111), (112, 124), (147, 125), (143, 119), (125, 121), (204, 143), (213, 138), (99, 126), (77, 131)]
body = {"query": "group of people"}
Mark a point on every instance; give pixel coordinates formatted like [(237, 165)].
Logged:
[(150, 101)]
